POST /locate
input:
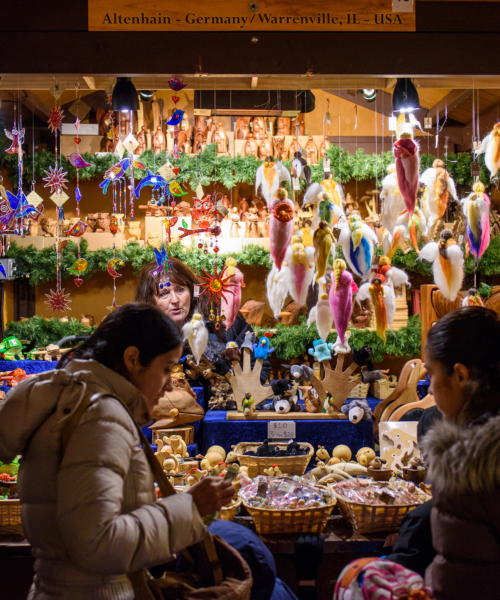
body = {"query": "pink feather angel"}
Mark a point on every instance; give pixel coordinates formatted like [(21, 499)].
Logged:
[(231, 305), (407, 170), (341, 292), (281, 215)]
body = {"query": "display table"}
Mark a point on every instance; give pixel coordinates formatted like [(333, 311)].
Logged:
[(217, 430)]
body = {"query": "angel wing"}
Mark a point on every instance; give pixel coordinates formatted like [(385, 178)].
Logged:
[(285, 174), (311, 195), (363, 293), (277, 290), (311, 317), (451, 188), (369, 234), (455, 254), (8, 134), (484, 144), (428, 177), (429, 252), (390, 304), (398, 277), (187, 330), (340, 192)]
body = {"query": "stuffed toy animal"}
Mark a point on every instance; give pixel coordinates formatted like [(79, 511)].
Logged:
[(262, 349), (280, 386), (362, 357), (281, 405), (357, 410), (232, 352), (301, 372), (371, 376), (321, 351)]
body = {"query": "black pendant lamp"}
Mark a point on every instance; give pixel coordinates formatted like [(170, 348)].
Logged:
[(307, 101), (125, 95), (405, 96)]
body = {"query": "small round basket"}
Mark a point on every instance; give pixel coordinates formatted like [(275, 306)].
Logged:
[(227, 513), (10, 517), (291, 465)]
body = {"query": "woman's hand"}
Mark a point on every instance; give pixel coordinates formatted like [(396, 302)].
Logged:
[(211, 494)]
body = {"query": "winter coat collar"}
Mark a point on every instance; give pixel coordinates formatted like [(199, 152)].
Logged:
[(462, 459), (116, 385)]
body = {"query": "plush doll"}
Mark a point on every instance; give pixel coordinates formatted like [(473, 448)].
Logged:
[(341, 292), (280, 386), (439, 187), (301, 372), (262, 350), (447, 261), (321, 314), (407, 169), (362, 357), (232, 352), (490, 147), (277, 290), (315, 192), (230, 304), (299, 271), (324, 243), (372, 376), (281, 215), (358, 241), (392, 200), (321, 350), (357, 410), (476, 208), (384, 303), (269, 177), (281, 405), (472, 299), (196, 334)]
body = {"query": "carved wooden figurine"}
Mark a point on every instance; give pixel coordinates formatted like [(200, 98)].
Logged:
[(298, 126), (311, 151), (141, 138), (252, 224), (242, 128), (265, 148), (235, 223), (220, 138), (251, 146), (284, 126), (325, 144), (294, 147), (259, 128), (159, 140), (279, 148)]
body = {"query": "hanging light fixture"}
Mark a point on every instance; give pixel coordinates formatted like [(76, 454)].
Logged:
[(307, 101), (125, 95), (369, 95), (146, 95), (405, 96)]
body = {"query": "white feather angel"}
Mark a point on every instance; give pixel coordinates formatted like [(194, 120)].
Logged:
[(476, 209), (384, 303), (277, 290), (390, 243), (314, 194), (490, 147), (447, 261), (269, 177), (196, 334), (392, 199), (299, 269), (358, 241), (322, 315), (439, 186), (412, 229)]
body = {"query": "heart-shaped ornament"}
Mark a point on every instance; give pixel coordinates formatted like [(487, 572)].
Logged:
[(176, 170), (175, 99), (78, 281), (77, 140)]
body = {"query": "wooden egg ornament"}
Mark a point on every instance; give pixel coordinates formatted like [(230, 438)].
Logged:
[(343, 452), (335, 460), (218, 449), (365, 456), (322, 454)]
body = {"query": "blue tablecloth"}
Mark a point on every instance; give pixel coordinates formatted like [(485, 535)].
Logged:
[(30, 366), (329, 433)]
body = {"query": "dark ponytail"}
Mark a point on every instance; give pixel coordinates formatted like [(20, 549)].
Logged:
[(134, 324)]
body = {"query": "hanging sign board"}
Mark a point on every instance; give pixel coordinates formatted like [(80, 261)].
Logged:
[(244, 15), (281, 430)]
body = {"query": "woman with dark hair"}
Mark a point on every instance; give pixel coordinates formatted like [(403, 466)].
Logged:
[(89, 505)]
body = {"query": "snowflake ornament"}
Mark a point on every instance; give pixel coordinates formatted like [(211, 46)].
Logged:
[(58, 301), (55, 179), (55, 120)]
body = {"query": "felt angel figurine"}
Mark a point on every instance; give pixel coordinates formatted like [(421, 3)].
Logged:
[(413, 228), (358, 241), (328, 185), (321, 314), (277, 290), (269, 177), (439, 187), (384, 303), (407, 168), (196, 334), (390, 243), (393, 276), (281, 215), (447, 261), (300, 168), (392, 199), (476, 209), (324, 243), (341, 292), (490, 147), (299, 263), (472, 299), (231, 303)]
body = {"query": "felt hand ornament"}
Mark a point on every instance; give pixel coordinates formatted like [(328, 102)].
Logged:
[(439, 187), (490, 147), (277, 290), (341, 292), (476, 208), (358, 241), (447, 264), (392, 200), (269, 177), (230, 305), (281, 215), (324, 243), (299, 271), (196, 334), (407, 168)]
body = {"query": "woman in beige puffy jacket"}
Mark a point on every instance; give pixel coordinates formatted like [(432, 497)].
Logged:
[(92, 515)]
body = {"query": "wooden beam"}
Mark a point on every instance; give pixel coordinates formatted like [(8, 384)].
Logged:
[(33, 102), (90, 81), (448, 103), (255, 81)]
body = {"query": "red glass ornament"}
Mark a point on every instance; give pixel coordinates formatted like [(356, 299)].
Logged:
[(113, 225), (78, 281), (216, 249), (77, 140), (200, 246), (175, 99)]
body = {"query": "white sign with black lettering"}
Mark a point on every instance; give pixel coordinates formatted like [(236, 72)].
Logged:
[(326, 165), (281, 430), (296, 183)]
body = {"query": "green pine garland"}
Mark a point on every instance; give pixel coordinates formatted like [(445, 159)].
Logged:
[(41, 332), (293, 341)]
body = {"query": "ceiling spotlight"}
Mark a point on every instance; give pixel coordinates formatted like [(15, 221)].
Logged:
[(146, 95), (405, 96), (307, 101), (369, 95), (125, 95)]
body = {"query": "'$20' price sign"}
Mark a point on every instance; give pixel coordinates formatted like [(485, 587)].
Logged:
[(281, 430)]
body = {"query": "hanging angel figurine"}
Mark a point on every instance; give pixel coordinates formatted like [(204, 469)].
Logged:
[(277, 290), (316, 190), (324, 244), (447, 261), (196, 334), (322, 315), (281, 213), (407, 169), (393, 203), (394, 277), (383, 300), (299, 269), (412, 228), (269, 177), (476, 208), (358, 241), (439, 187), (490, 147), (343, 287)]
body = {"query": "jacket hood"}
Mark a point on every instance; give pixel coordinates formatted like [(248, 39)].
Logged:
[(464, 459), (30, 403)]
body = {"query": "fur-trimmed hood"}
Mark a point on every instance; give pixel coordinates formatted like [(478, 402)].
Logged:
[(464, 460)]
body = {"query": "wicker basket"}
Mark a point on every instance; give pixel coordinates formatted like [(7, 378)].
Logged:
[(359, 392), (228, 512), (289, 465), (383, 389), (299, 520), (366, 518), (10, 517)]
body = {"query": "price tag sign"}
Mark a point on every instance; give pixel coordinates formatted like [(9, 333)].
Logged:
[(475, 170), (281, 430), (400, 6), (427, 123), (296, 183), (326, 165)]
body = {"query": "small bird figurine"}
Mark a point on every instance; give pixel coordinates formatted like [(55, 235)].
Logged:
[(262, 350), (79, 267), (248, 401), (176, 117), (77, 230), (77, 160), (117, 171), (175, 189)]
